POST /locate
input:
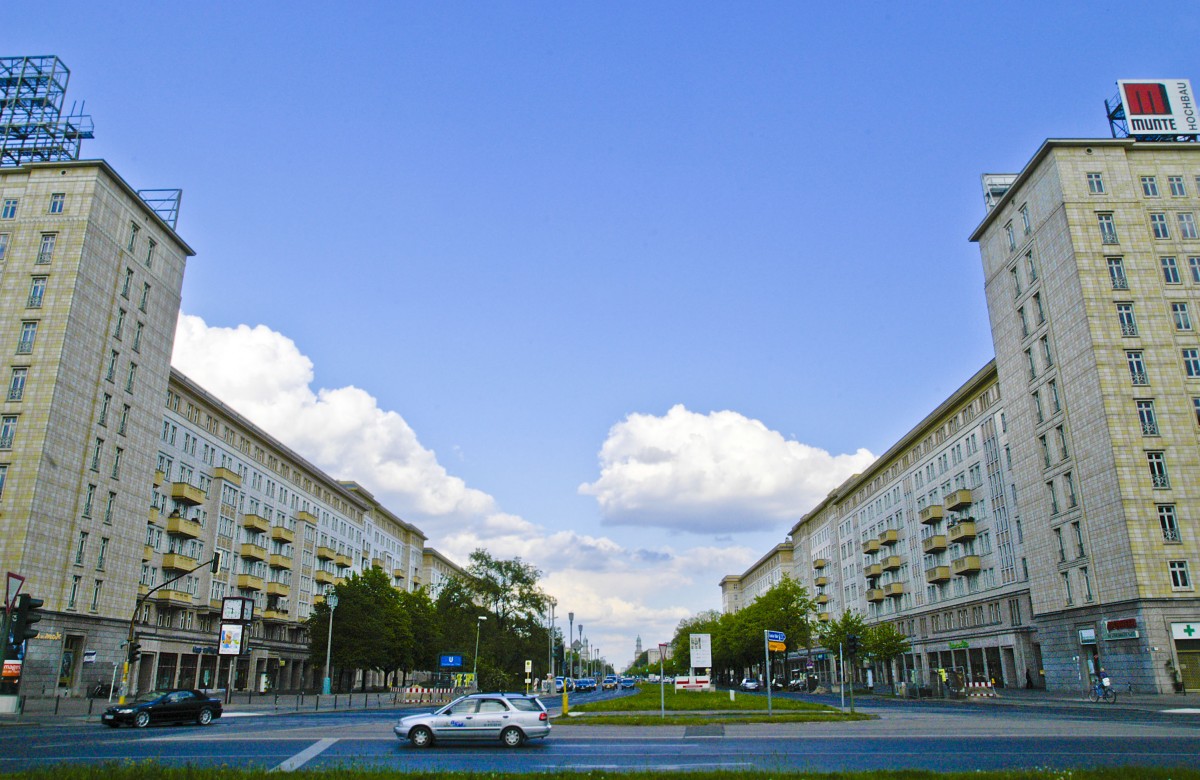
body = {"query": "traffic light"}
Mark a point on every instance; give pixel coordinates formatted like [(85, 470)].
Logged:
[(135, 649), (216, 562), (852, 645), (27, 612)]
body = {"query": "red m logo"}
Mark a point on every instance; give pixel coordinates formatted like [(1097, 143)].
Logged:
[(1147, 99)]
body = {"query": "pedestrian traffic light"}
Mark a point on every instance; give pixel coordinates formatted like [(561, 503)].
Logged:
[(852, 645), (216, 562), (25, 615), (135, 649)]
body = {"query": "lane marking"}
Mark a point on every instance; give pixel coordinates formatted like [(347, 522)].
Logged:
[(306, 755)]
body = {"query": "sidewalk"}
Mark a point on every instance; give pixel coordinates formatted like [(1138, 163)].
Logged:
[(1142, 701)]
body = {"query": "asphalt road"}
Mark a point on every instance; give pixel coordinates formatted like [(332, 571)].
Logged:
[(930, 735)]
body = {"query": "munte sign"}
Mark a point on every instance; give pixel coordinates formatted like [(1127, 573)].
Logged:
[(1159, 106)]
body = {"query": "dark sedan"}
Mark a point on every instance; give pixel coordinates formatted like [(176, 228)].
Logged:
[(171, 706)]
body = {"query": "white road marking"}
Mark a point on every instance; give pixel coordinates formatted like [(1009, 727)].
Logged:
[(306, 755), (1184, 711)]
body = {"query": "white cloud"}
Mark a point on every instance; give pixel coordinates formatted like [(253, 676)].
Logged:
[(715, 473)]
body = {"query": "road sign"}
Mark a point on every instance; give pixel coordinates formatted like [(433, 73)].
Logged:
[(528, 668), (776, 636), (776, 646)]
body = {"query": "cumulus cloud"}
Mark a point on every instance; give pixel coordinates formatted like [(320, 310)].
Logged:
[(713, 473)]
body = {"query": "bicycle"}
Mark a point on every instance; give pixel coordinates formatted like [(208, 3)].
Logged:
[(1102, 690)]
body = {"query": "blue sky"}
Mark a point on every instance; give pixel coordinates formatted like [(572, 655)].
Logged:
[(621, 288)]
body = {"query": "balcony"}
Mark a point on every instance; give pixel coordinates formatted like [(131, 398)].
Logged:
[(178, 561), (343, 560), (147, 552), (326, 553), (377, 563), (893, 589), (249, 582), (323, 577), (306, 517), (958, 499), (822, 598), (875, 595), (318, 599), (253, 552), (871, 546), (933, 544), (968, 564), (872, 571), (277, 561), (889, 537), (278, 589), (891, 563), (187, 494), (963, 532), (823, 617), (155, 517), (159, 477), (174, 597), (820, 563), (143, 590), (937, 574), (256, 522), (932, 514), (820, 582), (274, 614), (398, 573), (181, 526), (232, 477), (281, 534)]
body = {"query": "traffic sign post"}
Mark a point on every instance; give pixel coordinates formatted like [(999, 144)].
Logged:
[(772, 640)]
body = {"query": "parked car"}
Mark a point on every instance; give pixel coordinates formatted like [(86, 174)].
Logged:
[(179, 705), (628, 683), (610, 682), (511, 718), (749, 684)]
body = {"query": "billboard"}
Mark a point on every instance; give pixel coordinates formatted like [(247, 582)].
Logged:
[(701, 645), (1159, 106)]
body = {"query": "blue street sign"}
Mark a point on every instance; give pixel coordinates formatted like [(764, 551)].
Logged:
[(776, 636), (453, 661)]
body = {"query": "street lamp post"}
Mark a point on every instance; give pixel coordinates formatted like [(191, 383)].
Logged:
[(581, 645), (331, 601), (550, 637), (475, 669), (569, 665)]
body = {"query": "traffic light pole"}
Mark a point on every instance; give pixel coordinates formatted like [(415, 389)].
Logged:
[(214, 562)]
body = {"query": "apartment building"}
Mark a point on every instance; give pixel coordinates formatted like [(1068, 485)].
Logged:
[(738, 591), (1091, 257)]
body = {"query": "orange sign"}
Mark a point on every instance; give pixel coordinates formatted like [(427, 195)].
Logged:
[(777, 646), (12, 669)]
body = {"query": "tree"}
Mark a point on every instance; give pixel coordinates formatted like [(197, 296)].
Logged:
[(835, 633), (883, 643), (370, 628)]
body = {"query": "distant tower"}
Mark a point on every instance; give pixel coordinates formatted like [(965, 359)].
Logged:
[(637, 653)]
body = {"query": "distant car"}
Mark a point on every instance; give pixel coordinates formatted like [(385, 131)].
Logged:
[(511, 718), (749, 684), (628, 683), (610, 682), (558, 685), (179, 705)]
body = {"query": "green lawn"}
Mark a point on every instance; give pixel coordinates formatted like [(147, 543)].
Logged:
[(647, 700)]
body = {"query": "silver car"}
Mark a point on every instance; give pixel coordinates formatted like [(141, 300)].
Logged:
[(510, 718)]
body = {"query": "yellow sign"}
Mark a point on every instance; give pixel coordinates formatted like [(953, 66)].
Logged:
[(777, 646)]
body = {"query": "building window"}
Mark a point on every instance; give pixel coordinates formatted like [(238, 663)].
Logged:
[(1169, 269), (1147, 417), (9, 209), (1137, 368), (137, 337), (1116, 272), (96, 448), (1095, 182), (16, 383), (1126, 318), (3, 245), (1168, 522), (1012, 239), (1181, 577), (145, 297), (133, 234), (150, 247), (1158, 469), (80, 548), (1072, 498), (1087, 583), (1052, 492), (127, 283), (1045, 341), (28, 337), (1031, 266), (1194, 265), (1067, 585), (1108, 228), (101, 553), (131, 377), (74, 596), (120, 324), (104, 404), (37, 292), (1024, 322), (8, 431), (1150, 186), (1183, 320), (1178, 190), (1196, 409), (1054, 399), (46, 248), (123, 425), (88, 499), (1159, 226), (1016, 280), (1191, 363), (96, 595), (110, 371), (1187, 224), (1028, 228), (1045, 451), (116, 469), (1037, 406), (1063, 452), (1032, 367), (57, 201), (110, 508)]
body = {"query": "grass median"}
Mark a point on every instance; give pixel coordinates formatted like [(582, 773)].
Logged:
[(646, 708)]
